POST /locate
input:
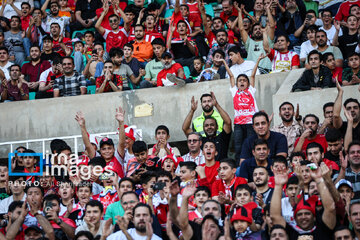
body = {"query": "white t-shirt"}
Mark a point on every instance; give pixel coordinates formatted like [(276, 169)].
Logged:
[(306, 47), (287, 211), (62, 21), (331, 33), (244, 104), (5, 203), (132, 232), (5, 69), (245, 68)]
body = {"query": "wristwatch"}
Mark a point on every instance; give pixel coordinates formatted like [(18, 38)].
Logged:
[(59, 222), (38, 213)]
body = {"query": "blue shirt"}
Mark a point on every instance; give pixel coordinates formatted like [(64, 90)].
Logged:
[(248, 166)]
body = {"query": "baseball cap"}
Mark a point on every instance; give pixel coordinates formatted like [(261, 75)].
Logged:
[(166, 54), (343, 182), (34, 227), (107, 141)]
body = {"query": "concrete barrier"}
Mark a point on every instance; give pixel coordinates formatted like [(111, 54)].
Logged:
[(55, 117)]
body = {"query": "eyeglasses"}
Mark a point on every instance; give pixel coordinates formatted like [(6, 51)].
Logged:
[(193, 140)]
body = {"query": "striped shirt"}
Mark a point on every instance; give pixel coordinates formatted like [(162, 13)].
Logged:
[(70, 86), (354, 178)]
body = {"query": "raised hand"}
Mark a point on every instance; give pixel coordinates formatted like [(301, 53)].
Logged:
[(189, 190), (343, 160), (108, 229), (174, 188), (194, 104), (339, 88), (122, 222), (214, 101), (69, 207), (280, 177), (348, 115), (79, 117), (236, 6), (325, 171), (337, 25), (316, 173), (149, 230), (120, 114)]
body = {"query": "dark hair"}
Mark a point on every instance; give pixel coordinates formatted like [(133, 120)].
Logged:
[(90, 32), (20, 147), (124, 179), (189, 165), (15, 65), (25, 3), (320, 30), (97, 161), (108, 61), (218, 18), (283, 35), (158, 41), (202, 96), (219, 51), (139, 146), (153, 6), (231, 162), (100, 44), (162, 127), (353, 143), (206, 140), (234, 49), (280, 159), (116, 51), (311, 115), (259, 141), (232, 18), (313, 52), (51, 197), (128, 193), (326, 10), (129, 45), (147, 176), (243, 187), (296, 154), (139, 25), (286, 103), (355, 5), (341, 227), (5, 49), (14, 205), (312, 28), (203, 188), (129, 9), (196, 134), (304, 162), (350, 100), (314, 145), (278, 226), (32, 151), (33, 185), (140, 204), (292, 180), (163, 173), (15, 177), (311, 11), (114, 15), (84, 233), (199, 58), (55, 23), (185, 5), (63, 181), (352, 54), (333, 135), (181, 21), (328, 104), (79, 42), (67, 57), (57, 144), (95, 203), (221, 30), (260, 114), (84, 183), (209, 16)]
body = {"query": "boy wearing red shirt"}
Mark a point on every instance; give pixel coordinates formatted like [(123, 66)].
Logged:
[(211, 166)]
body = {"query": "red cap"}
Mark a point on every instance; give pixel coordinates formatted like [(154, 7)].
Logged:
[(176, 160), (243, 214), (83, 160), (308, 204)]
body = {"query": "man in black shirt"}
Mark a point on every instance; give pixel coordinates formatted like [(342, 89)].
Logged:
[(309, 225), (48, 52), (335, 141)]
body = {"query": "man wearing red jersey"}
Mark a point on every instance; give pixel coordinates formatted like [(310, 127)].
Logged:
[(116, 37), (211, 166), (172, 73)]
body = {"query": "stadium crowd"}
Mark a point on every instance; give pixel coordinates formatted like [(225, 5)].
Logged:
[(296, 180)]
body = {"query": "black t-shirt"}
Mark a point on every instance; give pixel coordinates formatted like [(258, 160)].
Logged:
[(180, 50), (355, 133), (222, 144), (88, 8), (348, 43), (330, 156), (322, 232), (49, 57)]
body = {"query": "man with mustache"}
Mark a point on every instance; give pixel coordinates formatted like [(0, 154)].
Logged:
[(323, 47), (172, 74)]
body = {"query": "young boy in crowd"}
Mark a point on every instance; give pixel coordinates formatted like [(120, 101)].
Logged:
[(66, 192), (169, 163), (223, 188), (83, 193), (162, 148), (217, 71), (198, 67), (137, 164), (289, 202), (79, 57), (148, 180), (201, 195), (241, 222), (351, 75), (211, 166)]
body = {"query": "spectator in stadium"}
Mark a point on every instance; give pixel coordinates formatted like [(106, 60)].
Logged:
[(207, 105), (34, 68), (48, 52), (349, 40), (195, 154), (223, 44), (162, 148), (36, 27), (85, 14), (282, 59), (324, 224), (351, 75), (18, 194), (192, 21), (316, 78), (53, 17), (262, 193), (61, 44), (239, 65), (276, 141), (16, 38), (47, 79), (335, 143), (211, 166), (143, 50), (324, 47), (328, 61), (201, 195), (171, 74), (352, 108), (5, 62), (152, 29), (153, 67), (346, 193), (132, 62), (344, 9), (16, 88), (354, 218), (315, 154), (342, 232), (95, 64), (328, 110), (109, 82), (309, 20), (94, 212), (261, 158), (8, 45), (217, 71), (309, 45), (288, 203), (228, 10), (115, 37), (350, 172), (328, 26), (71, 83)]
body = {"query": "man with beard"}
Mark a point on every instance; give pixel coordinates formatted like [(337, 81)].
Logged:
[(260, 159), (355, 218), (61, 45), (263, 193), (143, 50), (328, 110), (16, 38), (208, 111), (290, 128), (195, 154), (315, 154), (323, 47), (47, 79), (281, 59), (123, 70), (109, 82), (228, 10), (71, 83), (254, 45), (15, 89), (276, 141), (172, 74), (223, 44), (34, 68), (311, 124), (316, 78), (352, 107), (335, 142), (53, 17), (142, 218), (352, 172)]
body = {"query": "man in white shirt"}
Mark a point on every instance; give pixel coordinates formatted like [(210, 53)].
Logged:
[(18, 194), (239, 65), (195, 154), (328, 26), (142, 219)]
